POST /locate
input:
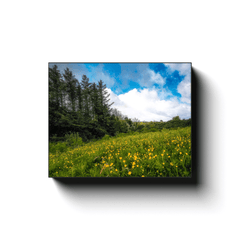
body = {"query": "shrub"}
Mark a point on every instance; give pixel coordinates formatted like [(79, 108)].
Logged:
[(58, 147), (73, 140), (153, 130), (106, 137), (121, 135), (136, 133)]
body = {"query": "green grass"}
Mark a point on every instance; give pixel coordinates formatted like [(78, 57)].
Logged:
[(155, 154)]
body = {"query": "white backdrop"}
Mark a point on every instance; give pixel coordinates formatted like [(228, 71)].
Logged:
[(205, 33)]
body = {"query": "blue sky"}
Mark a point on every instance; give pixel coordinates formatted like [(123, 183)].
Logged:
[(147, 91)]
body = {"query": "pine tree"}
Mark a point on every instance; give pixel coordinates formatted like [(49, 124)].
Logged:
[(54, 99), (80, 107), (71, 88), (55, 86), (80, 102), (104, 108), (96, 101), (86, 92)]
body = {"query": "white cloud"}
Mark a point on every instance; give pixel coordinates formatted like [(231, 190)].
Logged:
[(184, 87), (98, 73), (141, 74), (147, 106), (156, 78), (183, 68)]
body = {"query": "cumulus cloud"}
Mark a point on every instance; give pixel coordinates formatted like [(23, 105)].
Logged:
[(183, 68), (141, 74), (156, 78), (147, 106), (98, 73), (184, 87)]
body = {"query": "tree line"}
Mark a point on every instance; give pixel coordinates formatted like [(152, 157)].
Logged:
[(84, 108), (81, 107)]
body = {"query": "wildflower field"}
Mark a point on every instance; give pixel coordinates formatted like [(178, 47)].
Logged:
[(155, 154)]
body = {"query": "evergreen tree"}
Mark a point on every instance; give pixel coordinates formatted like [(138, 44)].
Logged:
[(71, 88), (95, 99), (84, 108), (54, 99), (104, 109), (118, 114), (54, 86), (86, 92), (80, 103)]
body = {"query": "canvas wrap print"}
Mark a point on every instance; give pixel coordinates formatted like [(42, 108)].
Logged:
[(120, 120)]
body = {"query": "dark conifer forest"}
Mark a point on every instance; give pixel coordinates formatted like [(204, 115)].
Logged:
[(85, 108)]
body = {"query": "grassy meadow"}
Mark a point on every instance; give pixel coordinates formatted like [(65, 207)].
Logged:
[(154, 154)]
